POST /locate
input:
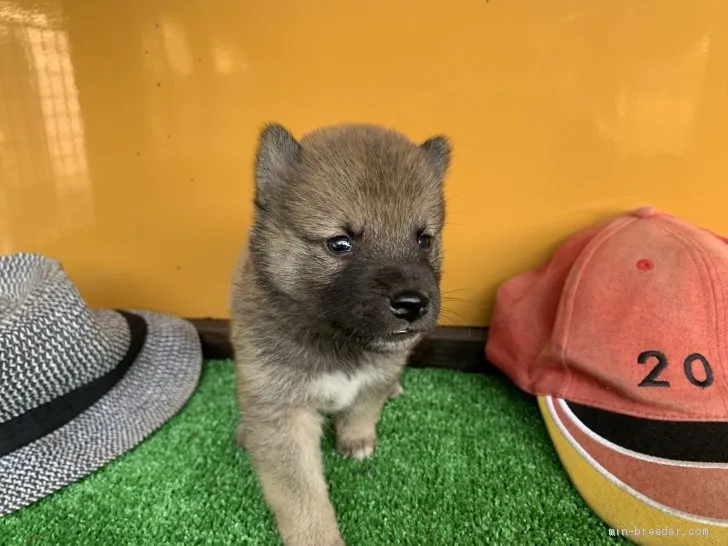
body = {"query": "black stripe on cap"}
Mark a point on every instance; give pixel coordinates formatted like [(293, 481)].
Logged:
[(703, 442), (49, 417)]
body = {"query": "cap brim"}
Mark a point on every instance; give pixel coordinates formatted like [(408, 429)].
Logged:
[(154, 389), (645, 499)]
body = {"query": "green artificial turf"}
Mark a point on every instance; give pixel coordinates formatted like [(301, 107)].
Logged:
[(463, 460)]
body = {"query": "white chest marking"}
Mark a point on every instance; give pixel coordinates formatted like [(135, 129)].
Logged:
[(336, 391)]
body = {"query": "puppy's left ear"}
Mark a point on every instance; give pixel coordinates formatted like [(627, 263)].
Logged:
[(277, 151), (439, 152)]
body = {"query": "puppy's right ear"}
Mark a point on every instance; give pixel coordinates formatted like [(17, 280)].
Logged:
[(277, 151), (439, 152)]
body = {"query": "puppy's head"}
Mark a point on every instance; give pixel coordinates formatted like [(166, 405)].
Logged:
[(348, 227)]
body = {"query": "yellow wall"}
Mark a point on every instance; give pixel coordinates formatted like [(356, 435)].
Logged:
[(127, 128)]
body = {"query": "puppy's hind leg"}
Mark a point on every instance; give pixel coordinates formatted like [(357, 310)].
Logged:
[(285, 451)]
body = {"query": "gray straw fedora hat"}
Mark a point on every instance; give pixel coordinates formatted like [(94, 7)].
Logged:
[(78, 386)]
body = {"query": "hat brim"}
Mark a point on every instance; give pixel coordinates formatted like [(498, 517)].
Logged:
[(154, 389), (645, 499)]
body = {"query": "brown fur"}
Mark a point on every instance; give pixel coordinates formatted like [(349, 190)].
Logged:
[(313, 331)]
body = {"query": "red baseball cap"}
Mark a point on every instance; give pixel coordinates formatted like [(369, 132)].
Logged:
[(623, 337)]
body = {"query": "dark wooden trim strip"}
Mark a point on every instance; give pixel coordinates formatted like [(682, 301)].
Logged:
[(448, 347)]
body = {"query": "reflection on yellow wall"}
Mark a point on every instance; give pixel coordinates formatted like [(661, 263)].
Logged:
[(127, 128), (46, 190)]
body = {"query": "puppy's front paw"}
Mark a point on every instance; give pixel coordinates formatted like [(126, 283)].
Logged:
[(240, 437), (397, 391), (357, 449)]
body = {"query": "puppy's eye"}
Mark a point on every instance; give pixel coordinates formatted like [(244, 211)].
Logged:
[(339, 245), (424, 240)]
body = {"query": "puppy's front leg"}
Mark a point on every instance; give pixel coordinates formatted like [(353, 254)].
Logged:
[(356, 427), (285, 451)]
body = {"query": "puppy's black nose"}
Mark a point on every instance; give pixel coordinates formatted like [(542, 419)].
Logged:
[(409, 305)]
